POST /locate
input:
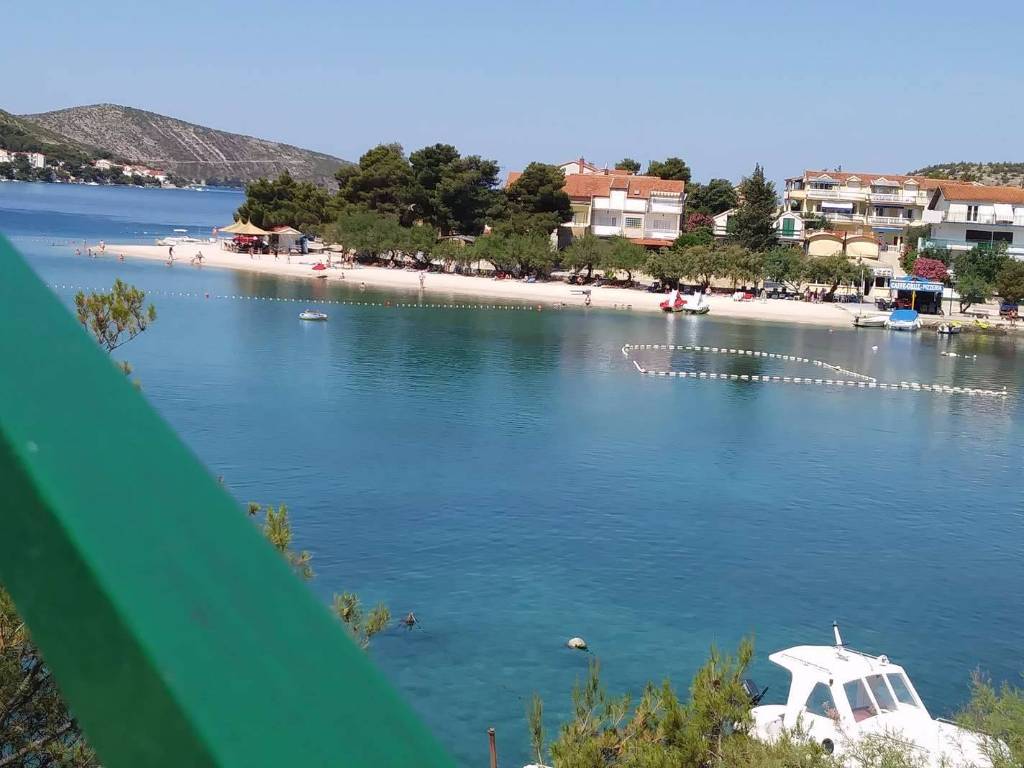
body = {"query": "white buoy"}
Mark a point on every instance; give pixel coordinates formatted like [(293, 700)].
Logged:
[(577, 643)]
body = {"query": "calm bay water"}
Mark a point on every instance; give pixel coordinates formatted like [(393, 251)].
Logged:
[(510, 478)]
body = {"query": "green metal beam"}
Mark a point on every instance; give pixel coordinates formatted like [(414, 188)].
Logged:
[(178, 636)]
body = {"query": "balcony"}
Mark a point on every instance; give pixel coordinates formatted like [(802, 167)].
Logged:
[(841, 217), (606, 230), (1017, 251), (665, 205), (952, 217), (889, 221), (837, 194), (909, 198), (668, 235)]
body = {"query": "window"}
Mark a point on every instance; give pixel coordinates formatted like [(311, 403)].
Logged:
[(633, 222), (823, 185), (860, 702), (579, 218), (983, 236), (787, 226), (880, 691), (972, 213), (821, 703), (615, 221), (901, 689)]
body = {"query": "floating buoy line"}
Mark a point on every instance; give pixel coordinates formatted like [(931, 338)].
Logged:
[(308, 301), (859, 380)]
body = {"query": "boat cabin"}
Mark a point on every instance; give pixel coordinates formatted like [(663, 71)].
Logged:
[(844, 687)]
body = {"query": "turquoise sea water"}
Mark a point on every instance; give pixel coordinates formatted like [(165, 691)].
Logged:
[(511, 479)]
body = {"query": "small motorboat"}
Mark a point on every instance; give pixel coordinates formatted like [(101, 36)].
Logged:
[(311, 314), (948, 329), (674, 303), (903, 320), (870, 321), (839, 696)]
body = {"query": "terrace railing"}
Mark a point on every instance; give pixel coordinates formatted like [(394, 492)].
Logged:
[(178, 636)]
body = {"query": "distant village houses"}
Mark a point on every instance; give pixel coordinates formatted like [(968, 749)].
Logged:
[(133, 170), (35, 159)]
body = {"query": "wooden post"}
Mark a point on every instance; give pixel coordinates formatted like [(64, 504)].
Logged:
[(494, 748)]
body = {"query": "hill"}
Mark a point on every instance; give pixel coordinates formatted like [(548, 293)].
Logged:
[(21, 135), (185, 149), (1004, 174)]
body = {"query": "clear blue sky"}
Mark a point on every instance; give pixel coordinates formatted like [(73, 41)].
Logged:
[(869, 86)]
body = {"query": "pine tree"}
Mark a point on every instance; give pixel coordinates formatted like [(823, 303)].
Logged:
[(753, 224)]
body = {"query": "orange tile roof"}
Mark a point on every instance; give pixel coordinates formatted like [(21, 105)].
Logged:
[(870, 178), (952, 190), (588, 185)]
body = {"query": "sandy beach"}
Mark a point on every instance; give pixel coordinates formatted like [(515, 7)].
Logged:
[(486, 288)]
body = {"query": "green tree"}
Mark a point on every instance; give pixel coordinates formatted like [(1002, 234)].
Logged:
[(660, 731), (785, 265), (628, 164), (702, 263), (831, 270), (623, 256), (368, 233), (115, 318), (742, 266), (998, 713), (277, 529), (972, 289), (667, 265), (984, 261), (585, 252), (451, 192), (36, 728), (753, 223), (1009, 282), (284, 202), (382, 182), (536, 202), (671, 168), (716, 196)]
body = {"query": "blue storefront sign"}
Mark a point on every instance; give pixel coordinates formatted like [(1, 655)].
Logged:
[(915, 284)]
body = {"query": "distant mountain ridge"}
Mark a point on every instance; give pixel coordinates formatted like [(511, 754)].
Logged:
[(184, 149), (999, 174)]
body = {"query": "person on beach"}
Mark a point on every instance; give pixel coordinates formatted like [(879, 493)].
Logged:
[(78, 251), (362, 286), (120, 257), (422, 280), (103, 247), (170, 252)]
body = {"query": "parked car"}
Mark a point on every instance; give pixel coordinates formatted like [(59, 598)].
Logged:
[(1008, 309)]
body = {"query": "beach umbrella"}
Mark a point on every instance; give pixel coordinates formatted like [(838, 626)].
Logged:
[(244, 228)]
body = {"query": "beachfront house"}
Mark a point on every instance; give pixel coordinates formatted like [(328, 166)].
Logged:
[(870, 211), (645, 209), (789, 226), (965, 215)]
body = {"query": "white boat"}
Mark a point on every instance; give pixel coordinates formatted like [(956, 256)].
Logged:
[(180, 237), (870, 321), (903, 320), (311, 314), (696, 305), (839, 696)]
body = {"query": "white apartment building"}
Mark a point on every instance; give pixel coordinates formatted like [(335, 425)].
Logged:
[(644, 209), (35, 159), (868, 212), (965, 215), (789, 226)]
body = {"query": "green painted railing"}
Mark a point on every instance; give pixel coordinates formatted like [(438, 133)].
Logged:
[(177, 635)]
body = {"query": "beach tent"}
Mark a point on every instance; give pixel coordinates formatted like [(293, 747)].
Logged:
[(244, 228)]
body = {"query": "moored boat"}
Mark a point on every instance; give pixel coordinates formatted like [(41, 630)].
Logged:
[(674, 303), (311, 314), (870, 321), (948, 329), (696, 305), (838, 697), (903, 320)]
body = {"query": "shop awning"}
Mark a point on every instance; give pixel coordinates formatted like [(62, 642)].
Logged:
[(916, 284), (1004, 212), (847, 207)]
